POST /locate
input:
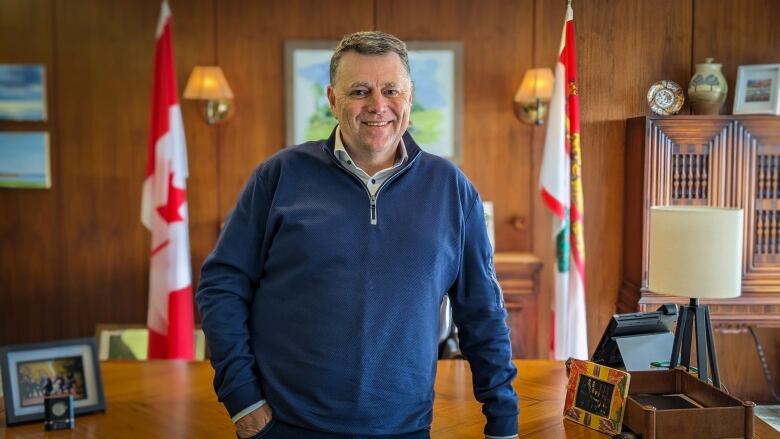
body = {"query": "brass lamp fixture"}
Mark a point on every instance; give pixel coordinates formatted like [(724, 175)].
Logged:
[(208, 83), (530, 103)]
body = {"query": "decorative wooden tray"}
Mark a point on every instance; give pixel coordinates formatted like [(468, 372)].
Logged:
[(688, 409)]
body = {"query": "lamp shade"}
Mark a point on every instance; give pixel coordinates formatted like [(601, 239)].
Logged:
[(537, 84), (207, 82), (696, 252)]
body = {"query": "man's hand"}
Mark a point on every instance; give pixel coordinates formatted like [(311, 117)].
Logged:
[(252, 423)]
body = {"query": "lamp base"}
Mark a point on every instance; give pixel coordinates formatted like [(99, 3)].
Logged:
[(696, 315), (530, 112), (217, 111)]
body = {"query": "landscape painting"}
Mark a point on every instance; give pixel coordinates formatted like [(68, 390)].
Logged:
[(22, 92), (24, 160)]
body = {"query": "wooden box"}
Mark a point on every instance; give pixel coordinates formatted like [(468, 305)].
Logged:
[(720, 415)]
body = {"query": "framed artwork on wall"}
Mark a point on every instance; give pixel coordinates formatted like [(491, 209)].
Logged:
[(758, 90), (437, 107), (22, 92), (24, 160), (34, 372)]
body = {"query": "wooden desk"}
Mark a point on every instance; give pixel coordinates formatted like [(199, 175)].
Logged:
[(170, 399)]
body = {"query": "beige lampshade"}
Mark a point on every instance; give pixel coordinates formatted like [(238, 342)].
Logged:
[(696, 252), (208, 83), (537, 84)]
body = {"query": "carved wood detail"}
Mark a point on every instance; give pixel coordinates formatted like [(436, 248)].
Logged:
[(518, 275), (724, 161)]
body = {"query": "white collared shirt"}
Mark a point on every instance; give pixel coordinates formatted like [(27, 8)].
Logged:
[(372, 182)]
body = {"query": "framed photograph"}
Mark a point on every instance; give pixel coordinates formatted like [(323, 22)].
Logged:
[(35, 371), (758, 90), (596, 396), (437, 107), (22, 92), (24, 160)]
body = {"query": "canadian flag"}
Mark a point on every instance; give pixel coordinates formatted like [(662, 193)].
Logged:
[(164, 211)]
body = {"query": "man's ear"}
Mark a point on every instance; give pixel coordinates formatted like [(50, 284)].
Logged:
[(332, 101)]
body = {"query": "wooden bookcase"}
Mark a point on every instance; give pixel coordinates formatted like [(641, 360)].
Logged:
[(725, 161)]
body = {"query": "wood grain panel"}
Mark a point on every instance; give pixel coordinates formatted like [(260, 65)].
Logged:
[(29, 253), (735, 32), (620, 54), (104, 102), (496, 37), (739, 364), (250, 42)]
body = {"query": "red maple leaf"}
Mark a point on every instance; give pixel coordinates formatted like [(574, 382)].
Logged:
[(176, 197)]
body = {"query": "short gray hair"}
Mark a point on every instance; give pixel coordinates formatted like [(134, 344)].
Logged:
[(369, 43)]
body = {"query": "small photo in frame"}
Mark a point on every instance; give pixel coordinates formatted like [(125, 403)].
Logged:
[(35, 371), (758, 90), (596, 396)]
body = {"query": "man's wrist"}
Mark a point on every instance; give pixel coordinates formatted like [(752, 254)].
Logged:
[(248, 410)]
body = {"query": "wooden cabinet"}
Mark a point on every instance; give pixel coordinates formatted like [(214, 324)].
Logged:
[(724, 161), (518, 275)]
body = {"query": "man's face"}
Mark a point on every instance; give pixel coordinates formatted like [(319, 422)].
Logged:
[(372, 99)]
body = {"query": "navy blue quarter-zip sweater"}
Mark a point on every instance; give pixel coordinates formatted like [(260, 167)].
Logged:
[(324, 301)]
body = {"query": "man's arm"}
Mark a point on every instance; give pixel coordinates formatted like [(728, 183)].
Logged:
[(228, 281), (478, 311)]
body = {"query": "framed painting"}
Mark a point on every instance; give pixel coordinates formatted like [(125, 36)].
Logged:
[(24, 160), (22, 92), (437, 107)]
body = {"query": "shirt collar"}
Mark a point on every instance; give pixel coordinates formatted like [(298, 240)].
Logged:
[(341, 152)]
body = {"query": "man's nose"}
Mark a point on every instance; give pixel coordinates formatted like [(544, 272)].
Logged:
[(377, 102)]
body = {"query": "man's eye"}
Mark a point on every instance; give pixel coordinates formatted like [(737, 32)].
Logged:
[(358, 93), (392, 92)]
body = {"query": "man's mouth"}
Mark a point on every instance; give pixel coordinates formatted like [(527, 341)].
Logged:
[(376, 124)]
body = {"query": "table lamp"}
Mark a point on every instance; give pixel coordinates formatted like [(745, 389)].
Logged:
[(695, 252)]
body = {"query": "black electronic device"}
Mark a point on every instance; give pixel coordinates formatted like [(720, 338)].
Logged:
[(623, 329), (58, 412)]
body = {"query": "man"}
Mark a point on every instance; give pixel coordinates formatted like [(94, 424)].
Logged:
[(320, 301)]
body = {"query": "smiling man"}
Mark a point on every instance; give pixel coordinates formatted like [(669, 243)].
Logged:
[(320, 303)]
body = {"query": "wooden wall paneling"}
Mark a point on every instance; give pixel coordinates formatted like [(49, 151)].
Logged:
[(735, 32), (29, 252), (548, 25), (496, 37), (739, 365), (250, 43), (105, 86), (621, 52)]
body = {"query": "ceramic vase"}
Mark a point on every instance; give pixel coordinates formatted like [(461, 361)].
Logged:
[(708, 88)]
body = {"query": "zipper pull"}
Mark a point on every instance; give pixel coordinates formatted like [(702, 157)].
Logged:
[(373, 210)]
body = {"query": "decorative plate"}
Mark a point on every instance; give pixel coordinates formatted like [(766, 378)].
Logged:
[(665, 98)]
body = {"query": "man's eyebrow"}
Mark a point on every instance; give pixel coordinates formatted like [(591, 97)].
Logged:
[(368, 84)]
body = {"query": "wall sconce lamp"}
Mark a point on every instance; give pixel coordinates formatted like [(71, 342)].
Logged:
[(208, 83), (531, 99)]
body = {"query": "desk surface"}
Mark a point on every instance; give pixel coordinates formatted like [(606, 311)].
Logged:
[(174, 399)]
